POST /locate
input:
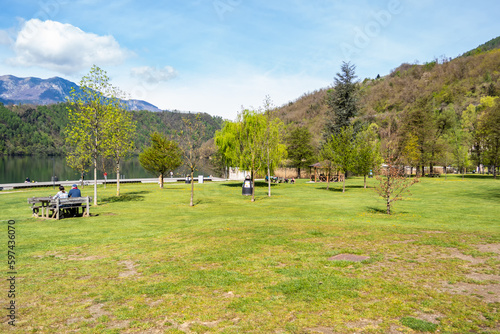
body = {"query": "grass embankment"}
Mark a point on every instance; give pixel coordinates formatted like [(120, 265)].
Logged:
[(147, 262)]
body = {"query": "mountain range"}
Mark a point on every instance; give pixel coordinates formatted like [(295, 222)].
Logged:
[(14, 90)]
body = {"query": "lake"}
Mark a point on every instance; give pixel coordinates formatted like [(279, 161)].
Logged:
[(15, 169)]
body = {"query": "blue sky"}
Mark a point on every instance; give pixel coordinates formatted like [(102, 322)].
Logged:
[(217, 56)]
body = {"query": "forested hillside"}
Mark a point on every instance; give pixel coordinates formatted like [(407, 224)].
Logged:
[(458, 82), (29, 129), (441, 89), (429, 112)]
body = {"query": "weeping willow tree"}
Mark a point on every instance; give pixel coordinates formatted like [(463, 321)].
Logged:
[(253, 143)]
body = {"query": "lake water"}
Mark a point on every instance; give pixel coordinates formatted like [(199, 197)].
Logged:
[(16, 169)]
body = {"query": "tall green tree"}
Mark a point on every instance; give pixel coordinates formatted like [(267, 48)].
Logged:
[(342, 100), (120, 143), (250, 144), (227, 142), (489, 128), (428, 126), (161, 156), (90, 115), (411, 153), (367, 152), (341, 151), (251, 139), (459, 143), (469, 126), (300, 149), (79, 161)]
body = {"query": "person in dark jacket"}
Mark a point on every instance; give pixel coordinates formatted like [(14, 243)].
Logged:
[(75, 192)]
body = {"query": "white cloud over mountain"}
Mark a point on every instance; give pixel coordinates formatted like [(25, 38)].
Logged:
[(63, 47), (153, 75)]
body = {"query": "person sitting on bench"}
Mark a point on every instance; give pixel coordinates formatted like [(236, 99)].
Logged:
[(61, 194), (74, 192)]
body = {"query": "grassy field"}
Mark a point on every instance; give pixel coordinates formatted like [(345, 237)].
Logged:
[(146, 262)]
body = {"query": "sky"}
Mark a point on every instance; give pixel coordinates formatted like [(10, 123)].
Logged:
[(219, 56)]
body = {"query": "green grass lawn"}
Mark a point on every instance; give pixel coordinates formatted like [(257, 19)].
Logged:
[(146, 262)]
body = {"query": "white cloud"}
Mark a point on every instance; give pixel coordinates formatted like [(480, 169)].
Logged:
[(225, 94), (5, 38), (63, 47), (153, 75)]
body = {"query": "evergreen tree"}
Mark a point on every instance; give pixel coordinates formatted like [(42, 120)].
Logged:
[(342, 101), (162, 156)]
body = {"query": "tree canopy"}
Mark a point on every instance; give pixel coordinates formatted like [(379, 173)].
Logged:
[(162, 156), (91, 118)]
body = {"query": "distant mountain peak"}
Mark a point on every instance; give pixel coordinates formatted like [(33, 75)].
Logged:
[(31, 90)]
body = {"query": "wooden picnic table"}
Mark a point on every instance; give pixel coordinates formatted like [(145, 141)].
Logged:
[(47, 204)]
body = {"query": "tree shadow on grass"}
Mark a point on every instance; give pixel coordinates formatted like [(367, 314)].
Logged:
[(337, 187), (485, 194), (475, 176), (376, 210), (136, 196), (259, 184), (394, 212)]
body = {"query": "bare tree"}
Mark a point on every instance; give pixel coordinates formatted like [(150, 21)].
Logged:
[(393, 183)]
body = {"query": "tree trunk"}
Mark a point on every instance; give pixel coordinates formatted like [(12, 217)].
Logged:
[(192, 188), (268, 181), (253, 185), (343, 186), (388, 206), (328, 179), (117, 179), (298, 172), (161, 181), (365, 180), (95, 182), (268, 168)]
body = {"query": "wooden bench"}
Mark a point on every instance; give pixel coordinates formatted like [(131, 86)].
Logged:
[(59, 206), (433, 175)]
